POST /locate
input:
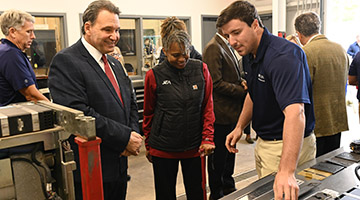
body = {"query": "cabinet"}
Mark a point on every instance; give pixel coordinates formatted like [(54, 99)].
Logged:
[(139, 91)]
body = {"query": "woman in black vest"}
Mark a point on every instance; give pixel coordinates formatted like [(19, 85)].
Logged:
[(178, 118)]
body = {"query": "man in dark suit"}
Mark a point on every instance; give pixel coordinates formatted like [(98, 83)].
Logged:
[(228, 93), (85, 78)]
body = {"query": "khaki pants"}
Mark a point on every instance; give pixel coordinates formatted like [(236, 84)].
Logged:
[(268, 154)]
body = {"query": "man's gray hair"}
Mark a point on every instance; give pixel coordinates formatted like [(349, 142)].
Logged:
[(15, 19), (308, 24), (181, 37)]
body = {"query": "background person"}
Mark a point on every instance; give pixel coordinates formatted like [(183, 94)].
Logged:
[(178, 118), (354, 75), (247, 130), (294, 39), (354, 48), (17, 78), (229, 90), (328, 66), (149, 47), (279, 99), (83, 77), (118, 55)]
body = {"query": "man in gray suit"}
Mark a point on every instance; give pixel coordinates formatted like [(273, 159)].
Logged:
[(85, 78), (228, 93)]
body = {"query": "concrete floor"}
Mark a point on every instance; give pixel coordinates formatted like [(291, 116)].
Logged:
[(141, 185)]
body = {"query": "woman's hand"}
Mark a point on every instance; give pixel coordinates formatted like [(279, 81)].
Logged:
[(206, 149)]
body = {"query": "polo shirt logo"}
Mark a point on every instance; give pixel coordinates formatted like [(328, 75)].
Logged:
[(166, 82), (261, 78)]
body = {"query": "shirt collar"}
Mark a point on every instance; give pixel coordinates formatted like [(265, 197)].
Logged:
[(265, 38), (8, 42), (311, 39), (96, 54)]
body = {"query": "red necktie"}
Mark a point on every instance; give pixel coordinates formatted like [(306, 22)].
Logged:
[(111, 77)]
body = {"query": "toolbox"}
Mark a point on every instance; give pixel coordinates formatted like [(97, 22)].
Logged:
[(23, 118)]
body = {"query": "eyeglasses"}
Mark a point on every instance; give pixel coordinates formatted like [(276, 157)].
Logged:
[(115, 54)]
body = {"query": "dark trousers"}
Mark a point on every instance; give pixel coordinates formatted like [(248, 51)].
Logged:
[(165, 173), (221, 163), (327, 143), (247, 130), (112, 190)]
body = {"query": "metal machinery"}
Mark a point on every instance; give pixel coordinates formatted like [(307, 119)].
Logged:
[(46, 171), (333, 176)]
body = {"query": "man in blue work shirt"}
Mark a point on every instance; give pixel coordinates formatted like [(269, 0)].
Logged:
[(354, 48), (17, 78), (279, 101)]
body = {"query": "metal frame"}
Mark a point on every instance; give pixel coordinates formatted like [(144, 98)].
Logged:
[(202, 28), (139, 34), (63, 18), (69, 121)]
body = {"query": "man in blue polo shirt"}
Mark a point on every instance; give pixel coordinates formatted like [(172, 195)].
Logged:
[(354, 48), (279, 101), (17, 78)]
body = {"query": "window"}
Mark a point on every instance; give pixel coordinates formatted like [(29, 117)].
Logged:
[(140, 42), (129, 46), (50, 39), (341, 19), (152, 44)]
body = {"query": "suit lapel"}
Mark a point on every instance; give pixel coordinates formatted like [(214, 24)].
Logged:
[(230, 55), (95, 66)]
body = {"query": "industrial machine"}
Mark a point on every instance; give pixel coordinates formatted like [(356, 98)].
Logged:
[(36, 161), (333, 176)]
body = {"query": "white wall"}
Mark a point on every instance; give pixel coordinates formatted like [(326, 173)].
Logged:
[(292, 12), (186, 8), (72, 8)]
